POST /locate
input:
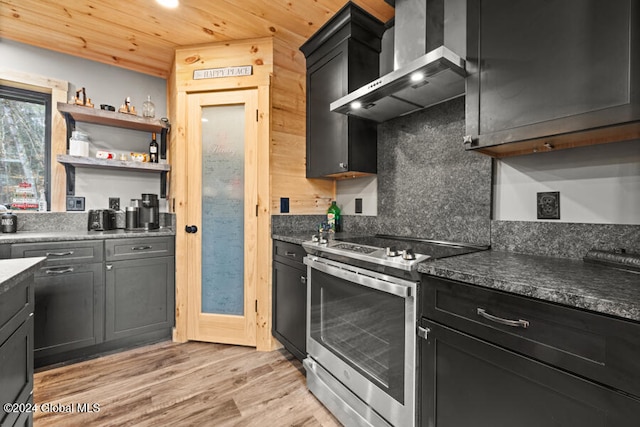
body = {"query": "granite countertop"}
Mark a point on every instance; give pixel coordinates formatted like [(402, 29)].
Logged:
[(56, 236), (565, 281), (14, 271), (295, 238)]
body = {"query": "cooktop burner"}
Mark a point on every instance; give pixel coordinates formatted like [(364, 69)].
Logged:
[(432, 248), (386, 253)]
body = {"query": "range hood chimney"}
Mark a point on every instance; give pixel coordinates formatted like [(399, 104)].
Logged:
[(429, 47)]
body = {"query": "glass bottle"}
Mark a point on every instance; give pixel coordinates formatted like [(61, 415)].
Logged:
[(333, 217), (148, 108), (153, 149)]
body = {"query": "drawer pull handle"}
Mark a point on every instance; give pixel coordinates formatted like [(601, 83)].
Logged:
[(59, 253), (292, 254), (60, 271), (515, 323), (141, 248)]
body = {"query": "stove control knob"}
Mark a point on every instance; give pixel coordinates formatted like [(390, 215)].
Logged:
[(408, 254), (392, 251)]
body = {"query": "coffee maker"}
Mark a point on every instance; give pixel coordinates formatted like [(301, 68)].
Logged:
[(148, 212)]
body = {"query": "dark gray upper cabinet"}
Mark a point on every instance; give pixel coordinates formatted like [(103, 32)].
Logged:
[(550, 75), (341, 57)]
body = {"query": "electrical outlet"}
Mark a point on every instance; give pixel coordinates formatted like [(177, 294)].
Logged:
[(549, 205), (114, 203), (358, 205), (75, 203), (284, 205)]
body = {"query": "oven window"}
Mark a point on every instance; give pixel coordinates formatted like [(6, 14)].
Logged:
[(362, 326)]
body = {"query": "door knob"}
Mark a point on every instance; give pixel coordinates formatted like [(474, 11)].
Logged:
[(191, 229)]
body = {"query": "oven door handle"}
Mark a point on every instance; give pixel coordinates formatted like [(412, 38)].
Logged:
[(356, 275)]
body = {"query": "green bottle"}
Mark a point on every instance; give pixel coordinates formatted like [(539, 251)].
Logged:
[(333, 217)]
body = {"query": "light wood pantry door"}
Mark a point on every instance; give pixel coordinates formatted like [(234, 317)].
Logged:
[(222, 134)]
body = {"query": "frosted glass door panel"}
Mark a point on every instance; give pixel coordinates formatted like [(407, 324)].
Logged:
[(223, 209)]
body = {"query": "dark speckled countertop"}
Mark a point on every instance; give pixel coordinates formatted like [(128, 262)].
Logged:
[(296, 238), (14, 271), (560, 280), (57, 236)]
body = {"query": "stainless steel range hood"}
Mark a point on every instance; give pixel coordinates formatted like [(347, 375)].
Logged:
[(429, 46)]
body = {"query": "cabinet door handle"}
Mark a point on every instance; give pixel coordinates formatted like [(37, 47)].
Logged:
[(514, 323), (59, 253), (291, 254), (303, 280), (424, 332), (141, 248), (61, 270), (109, 267)]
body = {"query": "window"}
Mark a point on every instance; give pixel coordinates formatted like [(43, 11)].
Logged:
[(25, 147)]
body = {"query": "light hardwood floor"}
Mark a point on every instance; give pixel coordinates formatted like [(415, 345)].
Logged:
[(190, 384)]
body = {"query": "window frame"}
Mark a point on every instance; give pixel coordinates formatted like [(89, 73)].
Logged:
[(42, 98), (59, 90)]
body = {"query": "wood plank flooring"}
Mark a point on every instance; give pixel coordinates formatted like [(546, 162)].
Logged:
[(189, 384)]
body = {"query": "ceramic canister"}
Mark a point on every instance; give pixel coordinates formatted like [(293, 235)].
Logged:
[(9, 222)]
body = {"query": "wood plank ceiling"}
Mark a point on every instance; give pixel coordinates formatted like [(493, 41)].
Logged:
[(140, 35)]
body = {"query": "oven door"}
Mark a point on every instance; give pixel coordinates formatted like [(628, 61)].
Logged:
[(361, 330)]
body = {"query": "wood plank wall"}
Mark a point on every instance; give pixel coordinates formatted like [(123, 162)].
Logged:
[(288, 137)]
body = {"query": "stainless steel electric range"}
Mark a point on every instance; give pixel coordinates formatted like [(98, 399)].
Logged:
[(361, 324)]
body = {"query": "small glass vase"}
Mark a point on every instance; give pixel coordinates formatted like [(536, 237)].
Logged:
[(148, 108)]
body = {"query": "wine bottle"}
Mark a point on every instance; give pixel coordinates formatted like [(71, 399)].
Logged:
[(153, 149)]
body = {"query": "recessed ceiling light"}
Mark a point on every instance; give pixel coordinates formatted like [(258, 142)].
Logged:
[(168, 3)]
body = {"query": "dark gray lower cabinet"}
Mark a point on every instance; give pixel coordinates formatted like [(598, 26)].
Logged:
[(69, 296), (69, 308), (466, 381), (289, 311), (139, 296), (16, 352), (495, 359), (99, 296)]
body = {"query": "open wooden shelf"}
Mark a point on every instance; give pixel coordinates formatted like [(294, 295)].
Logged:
[(111, 118), (90, 162), (72, 162)]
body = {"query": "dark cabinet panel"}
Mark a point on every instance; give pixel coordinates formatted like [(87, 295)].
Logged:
[(602, 348), (16, 370), (61, 253), (140, 296), (341, 57), (469, 382), (541, 70), (289, 300), (5, 251), (16, 350), (143, 247), (69, 308)]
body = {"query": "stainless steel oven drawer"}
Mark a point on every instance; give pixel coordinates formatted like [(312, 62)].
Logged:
[(599, 347)]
